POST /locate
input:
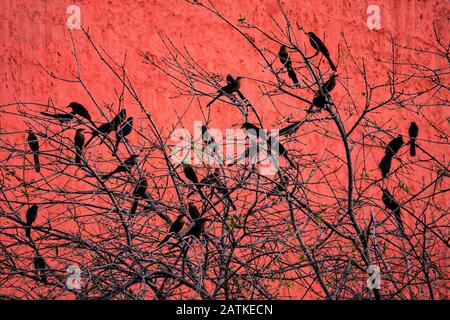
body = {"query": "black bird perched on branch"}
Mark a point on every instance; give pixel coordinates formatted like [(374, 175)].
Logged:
[(223, 189), (192, 176), (105, 128), (123, 131), (391, 149), (175, 227), (34, 146), (193, 211), (41, 267), (233, 85), (329, 85), (320, 101), (79, 143), (254, 130), (285, 60), (413, 133), (31, 216), (208, 140), (214, 181), (394, 206), (290, 129), (190, 173), (119, 119), (281, 150), (138, 192), (126, 166), (197, 229), (317, 44), (63, 117), (80, 110)]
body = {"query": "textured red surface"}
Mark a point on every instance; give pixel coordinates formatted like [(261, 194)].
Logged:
[(35, 32)]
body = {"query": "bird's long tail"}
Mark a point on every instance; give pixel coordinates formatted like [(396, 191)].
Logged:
[(412, 147), (293, 76), (94, 134), (107, 176), (230, 202), (49, 115), (401, 228), (79, 152), (385, 165), (289, 160), (215, 98), (37, 166), (332, 66), (28, 231), (166, 238), (116, 146), (134, 207)]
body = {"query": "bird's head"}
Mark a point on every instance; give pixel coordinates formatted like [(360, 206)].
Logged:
[(191, 204), (133, 158), (282, 48), (79, 130), (73, 105), (186, 165)]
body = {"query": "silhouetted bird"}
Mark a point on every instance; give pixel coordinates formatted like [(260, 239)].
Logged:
[(63, 117), (193, 211), (254, 130), (317, 44), (413, 133), (208, 140), (281, 150), (329, 84), (385, 165), (395, 145), (394, 206), (233, 85), (31, 216), (123, 131), (41, 267), (126, 166), (391, 149), (119, 119), (34, 146), (320, 101), (223, 189), (197, 229), (79, 143), (290, 129), (105, 128), (250, 153), (138, 192), (190, 173), (213, 180), (81, 111), (285, 60), (176, 227)]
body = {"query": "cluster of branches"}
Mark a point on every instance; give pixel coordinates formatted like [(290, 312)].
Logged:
[(140, 225)]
